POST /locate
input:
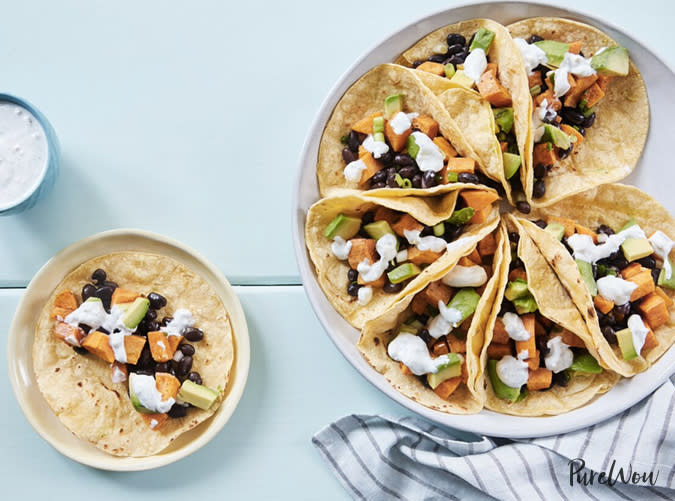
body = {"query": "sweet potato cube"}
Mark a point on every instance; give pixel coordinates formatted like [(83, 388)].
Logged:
[(440, 347), (571, 339), (70, 334), (174, 342), (159, 346), (498, 350), (422, 257), (426, 124), (530, 345), (397, 141), (97, 343), (654, 310), (574, 95), (431, 67), (447, 387), (593, 95), (488, 245), (534, 79), (668, 300), (154, 421), (544, 154), (404, 369), (631, 270), (419, 303), (465, 374), (461, 164), (572, 132), (645, 284), (602, 304), (539, 329), (386, 214), (456, 345), (378, 284), (118, 372), (550, 98), (517, 273), (365, 125), (478, 199), (133, 346), (438, 291), (499, 334), (481, 215), (533, 361), (465, 261), (167, 385), (539, 379), (446, 148), (492, 90), (372, 167), (603, 82), (575, 47), (475, 257), (406, 222), (65, 299), (60, 313), (650, 341), (584, 230), (121, 296), (362, 248)]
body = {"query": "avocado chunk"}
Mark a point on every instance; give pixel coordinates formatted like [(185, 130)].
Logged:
[(625, 339), (446, 371), (629, 223), (584, 362), (378, 229), (555, 229), (501, 390), (135, 313), (412, 147), (636, 248), (504, 119), (525, 304), (392, 105), (449, 70), (511, 164), (439, 229), (403, 272), (555, 51), (586, 271), (416, 324), (406, 329), (667, 282), (556, 136), (611, 62), (378, 126), (482, 40), (516, 288), (135, 401), (197, 394), (465, 301), (461, 216), (460, 78), (343, 226)]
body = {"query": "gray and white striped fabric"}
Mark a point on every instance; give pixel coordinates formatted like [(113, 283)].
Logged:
[(410, 458)]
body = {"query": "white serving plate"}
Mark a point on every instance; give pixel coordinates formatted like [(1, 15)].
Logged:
[(651, 175), (22, 332)]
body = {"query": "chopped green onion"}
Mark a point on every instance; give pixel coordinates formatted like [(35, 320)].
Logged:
[(399, 180), (379, 136), (378, 124), (407, 183), (344, 139), (449, 70), (439, 229), (452, 177)]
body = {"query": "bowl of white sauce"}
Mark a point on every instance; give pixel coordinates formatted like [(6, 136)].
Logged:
[(29, 155)]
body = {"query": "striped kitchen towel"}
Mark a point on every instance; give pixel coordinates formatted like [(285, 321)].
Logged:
[(630, 456)]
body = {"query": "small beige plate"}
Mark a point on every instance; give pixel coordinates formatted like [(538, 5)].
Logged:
[(22, 332)]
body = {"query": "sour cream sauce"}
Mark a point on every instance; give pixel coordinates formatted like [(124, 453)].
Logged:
[(429, 157), (386, 248), (465, 276), (584, 248), (638, 332), (559, 356), (533, 56), (412, 351), (513, 372), (145, 388), (430, 242)]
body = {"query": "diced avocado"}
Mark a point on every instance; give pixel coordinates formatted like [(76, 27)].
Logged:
[(504, 119), (407, 329), (636, 248), (411, 144), (378, 125), (460, 78), (135, 313), (482, 40), (515, 289), (416, 324), (629, 223), (625, 339), (452, 177), (461, 216), (403, 272), (611, 62), (555, 136), (511, 164), (501, 390), (439, 229), (378, 229), (343, 226), (584, 362), (555, 229), (449, 70), (667, 282), (586, 271), (555, 51), (525, 304), (134, 398), (379, 136), (465, 301), (392, 105), (446, 371), (603, 270), (197, 394)]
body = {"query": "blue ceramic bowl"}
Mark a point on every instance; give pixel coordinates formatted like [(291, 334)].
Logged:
[(50, 172)]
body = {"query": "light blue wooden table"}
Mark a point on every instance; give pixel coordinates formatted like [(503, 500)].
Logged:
[(187, 119)]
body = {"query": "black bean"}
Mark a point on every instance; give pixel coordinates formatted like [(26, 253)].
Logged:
[(429, 179), (86, 328), (572, 116), (377, 186), (99, 276), (539, 171), (423, 319), (541, 344), (157, 301), (517, 263), (165, 321), (619, 260), (379, 177), (187, 349), (416, 63), (655, 275), (391, 179), (483, 179), (348, 155), (178, 411), (88, 291), (184, 365), (607, 320), (452, 232), (541, 223), (105, 294), (523, 207), (455, 38), (589, 120), (408, 171), (352, 275), (145, 361), (507, 307), (193, 334), (608, 332), (467, 177), (353, 141), (102, 330), (162, 367), (560, 378), (562, 154), (112, 285), (80, 350), (622, 309), (456, 59), (195, 377), (386, 158), (153, 326), (424, 334), (648, 262), (403, 159), (353, 289), (390, 288), (539, 189), (603, 228), (145, 372), (534, 38), (368, 218), (150, 315), (417, 181), (437, 58), (514, 236), (454, 49), (582, 131)]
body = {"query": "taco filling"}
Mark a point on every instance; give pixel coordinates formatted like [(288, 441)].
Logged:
[(122, 328), (566, 86)]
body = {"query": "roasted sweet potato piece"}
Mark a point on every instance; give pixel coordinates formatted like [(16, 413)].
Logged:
[(517, 273), (118, 372), (154, 421), (406, 222), (488, 245), (65, 299), (575, 47), (593, 95), (431, 67), (446, 148), (664, 296), (422, 257), (69, 334), (544, 154), (438, 291), (159, 346), (492, 90), (583, 230), (530, 345), (386, 214), (60, 313), (133, 346), (97, 343), (456, 345), (461, 164), (602, 304), (372, 167), (397, 141), (440, 347), (654, 310), (378, 284), (569, 224), (167, 385), (174, 342), (478, 199), (497, 351), (539, 379), (574, 95), (533, 361), (539, 329), (499, 334), (426, 125), (365, 125), (447, 387), (650, 341), (572, 132), (603, 82), (645, 284), (631, 270), (534, 79), (362, 248), (551, 100), (465, 261), (481, 215), (571, 339), (419, 303), (404, 369), (121, 296)]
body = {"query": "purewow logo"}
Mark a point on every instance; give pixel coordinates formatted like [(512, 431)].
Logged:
[(580, 475)]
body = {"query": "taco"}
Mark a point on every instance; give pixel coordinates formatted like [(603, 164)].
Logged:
[(428, 344), (369, 252), (590, 112), (538, 357), (479, 55), (131, 350), (611, 247), (390, 136)]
